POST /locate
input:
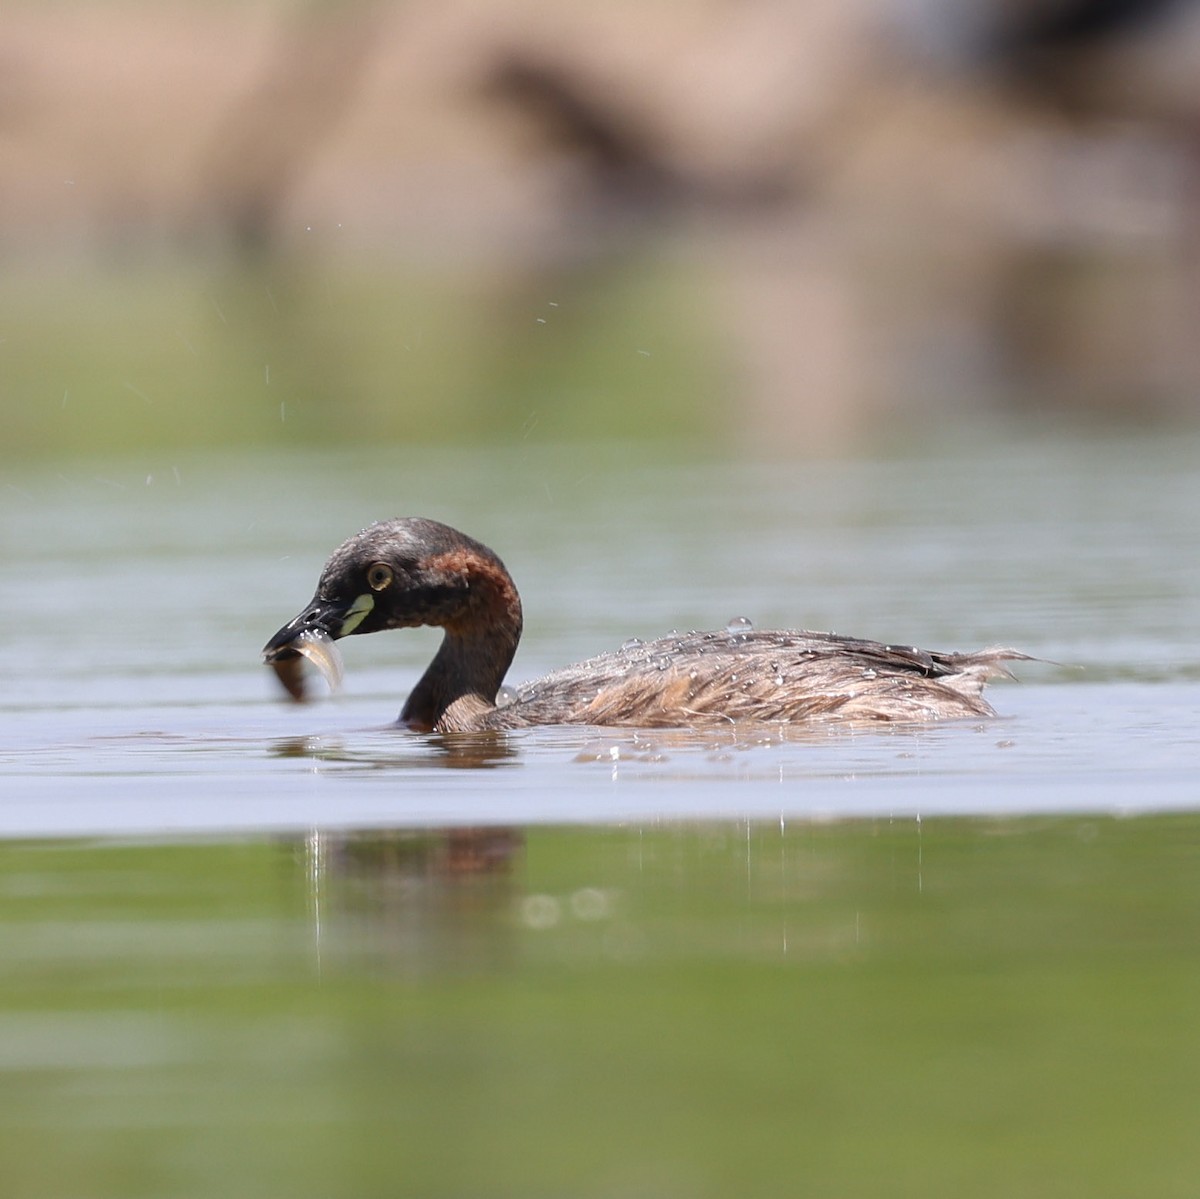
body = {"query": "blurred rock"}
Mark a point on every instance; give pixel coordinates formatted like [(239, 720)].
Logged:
[(901, 209)]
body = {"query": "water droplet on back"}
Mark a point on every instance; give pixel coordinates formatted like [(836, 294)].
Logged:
[(739, 624)]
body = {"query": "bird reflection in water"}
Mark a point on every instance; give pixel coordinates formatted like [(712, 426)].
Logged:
[(412, 901), (454, 751)]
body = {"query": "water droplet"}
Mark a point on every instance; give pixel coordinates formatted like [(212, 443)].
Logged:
[(505, 696), (869, 673), (739, 624), (590, 903), (540, 911), (631, 644), (779, 680)]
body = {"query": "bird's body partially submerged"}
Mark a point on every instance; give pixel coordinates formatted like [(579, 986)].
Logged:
[(769, 676), (409, 572)]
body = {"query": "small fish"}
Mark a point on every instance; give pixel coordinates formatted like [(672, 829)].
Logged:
[(321, 650)]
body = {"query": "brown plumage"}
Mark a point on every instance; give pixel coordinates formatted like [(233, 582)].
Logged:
[(408, 572)]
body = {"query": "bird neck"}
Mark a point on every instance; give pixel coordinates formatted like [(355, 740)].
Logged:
[(459, 687)]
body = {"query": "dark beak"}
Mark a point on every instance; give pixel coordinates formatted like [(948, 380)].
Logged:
[(321, 616)]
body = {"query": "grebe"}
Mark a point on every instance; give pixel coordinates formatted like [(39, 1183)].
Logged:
[(409, 572)]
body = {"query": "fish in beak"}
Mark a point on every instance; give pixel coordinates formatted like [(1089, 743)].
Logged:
[(311, 636)]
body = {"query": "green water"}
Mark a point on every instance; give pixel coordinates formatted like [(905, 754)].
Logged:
[(944, 1007), (182, 355)]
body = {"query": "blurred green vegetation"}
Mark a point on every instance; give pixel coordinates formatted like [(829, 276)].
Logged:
[(320, 353), (904, 1008)]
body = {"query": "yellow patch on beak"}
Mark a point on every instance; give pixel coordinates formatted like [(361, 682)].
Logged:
[(357, 613)]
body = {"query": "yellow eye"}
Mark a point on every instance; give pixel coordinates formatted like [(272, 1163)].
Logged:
[(380, 576)]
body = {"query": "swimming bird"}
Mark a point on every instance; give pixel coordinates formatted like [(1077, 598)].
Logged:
[(412, 571)]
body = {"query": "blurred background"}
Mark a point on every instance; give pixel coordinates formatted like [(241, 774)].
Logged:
[(598, 283), (774, 226)]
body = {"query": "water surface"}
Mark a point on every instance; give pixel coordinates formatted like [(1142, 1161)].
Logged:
[(253, 948), (137, 599)]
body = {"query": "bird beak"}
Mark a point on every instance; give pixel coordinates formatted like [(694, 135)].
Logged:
[(323, 620), (334, 618), (321, 616)]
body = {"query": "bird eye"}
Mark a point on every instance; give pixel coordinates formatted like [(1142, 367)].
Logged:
[(379, 576)]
